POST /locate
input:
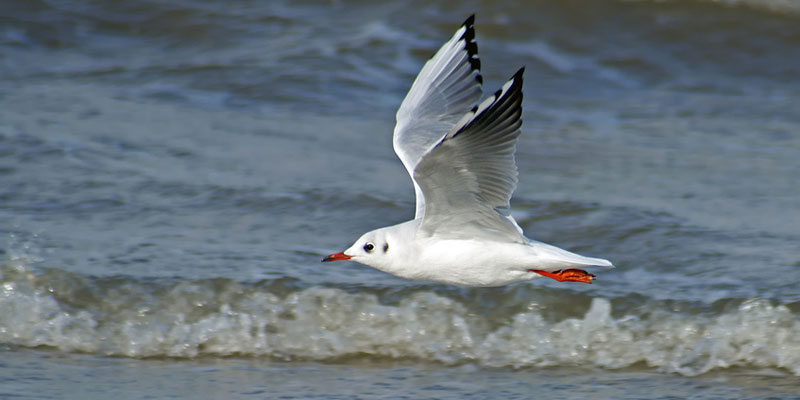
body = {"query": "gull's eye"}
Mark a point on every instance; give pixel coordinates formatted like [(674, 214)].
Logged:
[(369, 247)]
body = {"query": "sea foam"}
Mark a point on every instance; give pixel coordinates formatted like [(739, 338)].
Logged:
[(130, 318)]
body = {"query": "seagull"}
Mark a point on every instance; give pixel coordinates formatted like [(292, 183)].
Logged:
[(460, 155)]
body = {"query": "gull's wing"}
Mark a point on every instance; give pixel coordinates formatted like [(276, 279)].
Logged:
[(447, 87), (468, 177)]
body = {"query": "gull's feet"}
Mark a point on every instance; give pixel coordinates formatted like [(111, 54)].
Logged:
[(567, 275)]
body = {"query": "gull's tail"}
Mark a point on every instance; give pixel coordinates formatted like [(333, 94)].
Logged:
[(554, 258)]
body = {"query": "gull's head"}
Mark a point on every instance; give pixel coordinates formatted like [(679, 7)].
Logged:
[(372, 248)]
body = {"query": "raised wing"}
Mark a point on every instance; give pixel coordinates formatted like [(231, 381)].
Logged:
[(447, 87), (468, 177)]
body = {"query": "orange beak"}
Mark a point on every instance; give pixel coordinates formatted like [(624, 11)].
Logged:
[(336, 257)]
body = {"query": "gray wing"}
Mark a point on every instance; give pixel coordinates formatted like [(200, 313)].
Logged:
[(447, 87), (468, 177)]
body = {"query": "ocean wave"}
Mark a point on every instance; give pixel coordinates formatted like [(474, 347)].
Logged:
[(120, 316)]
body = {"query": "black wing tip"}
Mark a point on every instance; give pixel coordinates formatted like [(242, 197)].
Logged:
[(471, 45), (469, 30), (511, 97), (469, 21), (516, 81), (518, 75)]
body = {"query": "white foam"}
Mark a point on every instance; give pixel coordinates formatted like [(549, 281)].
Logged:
[(224, 318)]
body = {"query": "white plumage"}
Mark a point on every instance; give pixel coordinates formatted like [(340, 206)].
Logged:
[(460, 155)]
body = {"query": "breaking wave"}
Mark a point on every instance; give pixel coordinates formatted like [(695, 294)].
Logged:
[(122, 316)]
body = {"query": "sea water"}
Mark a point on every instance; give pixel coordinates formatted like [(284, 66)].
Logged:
[(171, 174)]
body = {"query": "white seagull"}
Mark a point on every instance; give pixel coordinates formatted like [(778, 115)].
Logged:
[(460, 155)]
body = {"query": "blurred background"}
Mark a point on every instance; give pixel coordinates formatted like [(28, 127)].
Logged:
[(172, 172)]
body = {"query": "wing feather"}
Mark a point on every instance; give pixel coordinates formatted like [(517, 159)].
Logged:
[(468, 177), (447, 87)]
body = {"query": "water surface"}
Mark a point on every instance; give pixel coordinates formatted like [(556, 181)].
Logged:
[(171, 174)]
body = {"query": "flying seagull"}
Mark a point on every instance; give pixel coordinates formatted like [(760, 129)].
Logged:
[(460, 155)]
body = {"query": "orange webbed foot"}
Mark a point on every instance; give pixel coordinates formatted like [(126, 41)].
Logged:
[(567, 275)]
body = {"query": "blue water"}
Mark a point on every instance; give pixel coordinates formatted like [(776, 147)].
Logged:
[(171, 173)]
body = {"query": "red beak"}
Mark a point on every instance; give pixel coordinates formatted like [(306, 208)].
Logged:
[(336, 257)]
